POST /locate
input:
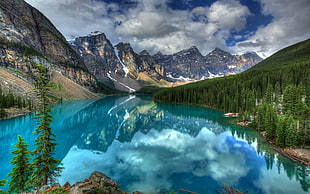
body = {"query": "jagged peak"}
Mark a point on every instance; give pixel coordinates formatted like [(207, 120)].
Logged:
[(144, 52), (218, 51), (192, 50), (124, 47), (251, 53), (96, 37), (158, 53)]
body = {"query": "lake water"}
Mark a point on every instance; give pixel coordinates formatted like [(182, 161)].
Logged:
[(159, 148)]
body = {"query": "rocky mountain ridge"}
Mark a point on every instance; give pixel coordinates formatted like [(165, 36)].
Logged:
[(190, 64), (27, 38), (129, 71)]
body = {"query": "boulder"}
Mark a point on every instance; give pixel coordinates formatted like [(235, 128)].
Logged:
[(96, 183)]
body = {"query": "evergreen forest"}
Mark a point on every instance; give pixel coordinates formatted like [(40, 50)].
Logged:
[(273, 96), (9, 100)]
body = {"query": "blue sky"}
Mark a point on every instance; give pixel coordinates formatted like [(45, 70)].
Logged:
[(168, 26)]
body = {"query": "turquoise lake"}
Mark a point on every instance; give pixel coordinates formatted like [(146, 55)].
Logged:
[(158, 148)]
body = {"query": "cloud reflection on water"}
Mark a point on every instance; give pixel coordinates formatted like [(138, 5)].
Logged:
[(153, 158)]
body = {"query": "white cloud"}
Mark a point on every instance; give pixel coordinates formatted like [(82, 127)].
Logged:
[(228, 14), (148, 24), (154, 26), (79, 17), (289, 25)]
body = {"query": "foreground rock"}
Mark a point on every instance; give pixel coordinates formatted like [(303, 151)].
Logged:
[(96, 183)]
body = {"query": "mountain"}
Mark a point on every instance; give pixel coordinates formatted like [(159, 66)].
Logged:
[(272, 97), (92, 63), (290, 66), (27, 37), (127, 70), (118, 66), (192, 65)]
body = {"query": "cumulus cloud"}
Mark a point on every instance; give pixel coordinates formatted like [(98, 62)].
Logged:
[(148, 24), (290, 24), (228, 14), (79, 17), (155, 26)]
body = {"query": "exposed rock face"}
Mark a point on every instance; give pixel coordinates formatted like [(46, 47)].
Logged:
[(191, 65), (99, 55), (23, 24), (119, 64), (27, 37), (124, 67), (139, 63)]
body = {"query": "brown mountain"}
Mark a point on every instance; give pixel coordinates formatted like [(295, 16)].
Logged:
[(27, 37), (129, 71)]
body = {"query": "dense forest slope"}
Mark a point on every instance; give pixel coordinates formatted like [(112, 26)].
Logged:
[(274, 90)]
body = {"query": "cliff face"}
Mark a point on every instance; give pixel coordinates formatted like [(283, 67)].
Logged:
[(124, 67), (118, 64), (23, 24), (139, 63), (98, 54), (190, 64), (27, 37)]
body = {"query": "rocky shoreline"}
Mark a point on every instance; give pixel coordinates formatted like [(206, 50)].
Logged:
[(15, 112), (99, 183), (96, 183), (296, 155)]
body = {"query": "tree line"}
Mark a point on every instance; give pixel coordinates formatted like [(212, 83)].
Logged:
[(34, 169), (9, 100), (274, 95)]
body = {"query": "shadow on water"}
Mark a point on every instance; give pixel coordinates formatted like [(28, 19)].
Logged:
[(155, 147)]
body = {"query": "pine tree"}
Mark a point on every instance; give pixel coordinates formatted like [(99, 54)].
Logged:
[(45, 165), (269, 94), (21, 172), (292, 136), (2, 183), (281, 131), (289, 99), (270, 119)]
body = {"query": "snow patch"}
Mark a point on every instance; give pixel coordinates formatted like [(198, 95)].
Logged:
[(129, 88), (231, 66), (179, 78), (214, 75), (120, 104), (124, 66)]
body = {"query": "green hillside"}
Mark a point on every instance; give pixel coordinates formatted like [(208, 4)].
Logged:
[(278, 80), (288, 66), (296, 54)]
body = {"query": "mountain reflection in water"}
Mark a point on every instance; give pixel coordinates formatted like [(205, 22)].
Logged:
[(159, 148)]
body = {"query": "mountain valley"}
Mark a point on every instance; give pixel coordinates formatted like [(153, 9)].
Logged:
[(92, 63)]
